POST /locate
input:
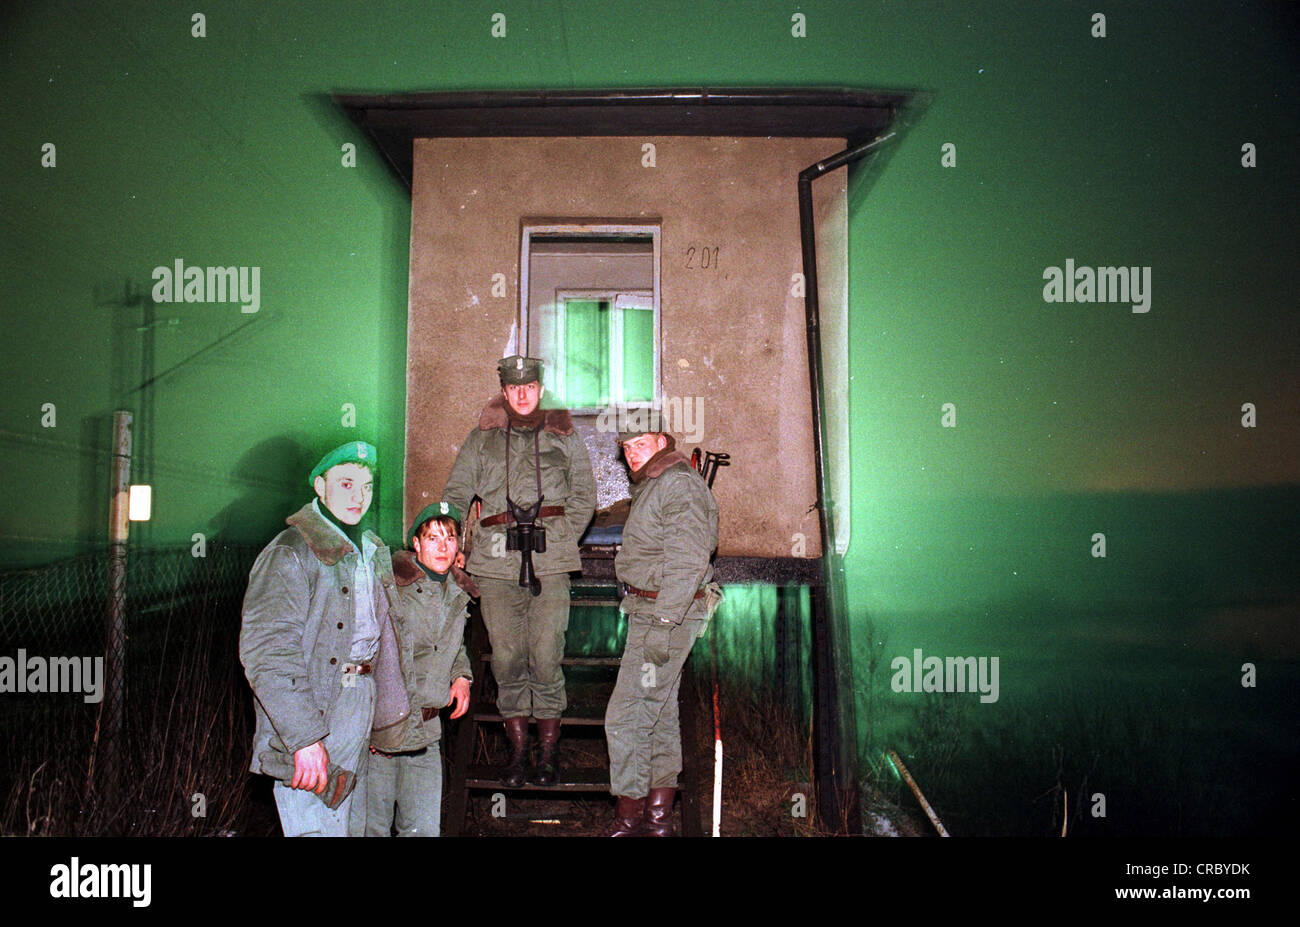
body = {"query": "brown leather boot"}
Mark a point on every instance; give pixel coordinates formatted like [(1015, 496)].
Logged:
[(659, 813), (628, 819), (547, 770), (515, 773)]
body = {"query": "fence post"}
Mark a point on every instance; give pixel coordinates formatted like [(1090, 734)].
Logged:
[(109, 732)]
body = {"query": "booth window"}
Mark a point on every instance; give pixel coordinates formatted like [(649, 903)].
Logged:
[(590, 310)]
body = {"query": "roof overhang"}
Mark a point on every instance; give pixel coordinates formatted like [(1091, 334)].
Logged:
[(394, 121)]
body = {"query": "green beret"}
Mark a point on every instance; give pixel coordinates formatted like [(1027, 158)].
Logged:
[(633, 423), (516, 370), (357, 452), (433, 510)]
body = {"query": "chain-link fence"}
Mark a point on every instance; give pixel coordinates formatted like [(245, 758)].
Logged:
[(64, 605), (163, 751)]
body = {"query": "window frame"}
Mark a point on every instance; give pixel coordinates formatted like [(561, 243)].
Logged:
[(594, 231), (611, 296)]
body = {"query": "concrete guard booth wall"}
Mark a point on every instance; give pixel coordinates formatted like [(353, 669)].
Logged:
[(731, 334)]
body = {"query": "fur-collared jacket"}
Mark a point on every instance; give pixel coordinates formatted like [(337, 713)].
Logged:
[(429, 623), (298, 619), (670, 535), (566, 480)]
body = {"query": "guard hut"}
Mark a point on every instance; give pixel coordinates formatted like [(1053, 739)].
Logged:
[(661, 248)]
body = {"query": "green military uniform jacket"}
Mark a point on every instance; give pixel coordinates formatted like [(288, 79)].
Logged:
[(567, 480), (429, 623), (670, 535), (299, 615)]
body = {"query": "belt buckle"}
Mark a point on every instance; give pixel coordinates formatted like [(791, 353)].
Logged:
[(622, 590)]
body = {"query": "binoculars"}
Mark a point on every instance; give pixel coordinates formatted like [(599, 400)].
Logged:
[(525, 535)]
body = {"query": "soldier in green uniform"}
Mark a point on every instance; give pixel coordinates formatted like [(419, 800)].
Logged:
[(528, 456), (315, 644), (670, 536), (428, 610)]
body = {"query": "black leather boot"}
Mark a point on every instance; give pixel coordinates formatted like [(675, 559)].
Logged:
[(547, 770), (515, 773), (628, 819), (659, 813)]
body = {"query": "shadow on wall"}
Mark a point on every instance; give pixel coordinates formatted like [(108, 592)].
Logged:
[(275, 476)]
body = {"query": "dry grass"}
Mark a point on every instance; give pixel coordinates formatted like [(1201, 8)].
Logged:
[(189, 725), (181, 768)]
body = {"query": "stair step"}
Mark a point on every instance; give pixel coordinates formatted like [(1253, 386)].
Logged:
[(581, 779), (486, 657), (588, 686), (566, 721)]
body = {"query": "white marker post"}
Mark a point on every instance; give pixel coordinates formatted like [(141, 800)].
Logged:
[(717, 787), (920, 797)]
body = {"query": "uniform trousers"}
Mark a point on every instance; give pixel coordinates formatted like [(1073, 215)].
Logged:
[(641, 726), (412, 782), (527, 635)]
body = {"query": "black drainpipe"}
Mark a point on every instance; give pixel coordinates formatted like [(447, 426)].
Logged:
[(836, 751)]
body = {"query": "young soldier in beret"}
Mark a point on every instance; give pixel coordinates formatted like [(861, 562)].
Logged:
[(428, 613), (671, 532), (313, 618), (525, 454)]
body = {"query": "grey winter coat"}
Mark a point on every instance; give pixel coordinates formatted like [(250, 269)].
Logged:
[(567, 480), (429, 623), (671, 533), (296, 637)]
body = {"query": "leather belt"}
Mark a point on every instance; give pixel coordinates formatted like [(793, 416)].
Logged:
[(650, 593), (361, 669), (547, 511), (420, 752), (428, 713)]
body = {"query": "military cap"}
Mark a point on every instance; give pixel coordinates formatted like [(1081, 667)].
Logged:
[(517, 370), (358, 452), (633, 423), (433, 510)]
